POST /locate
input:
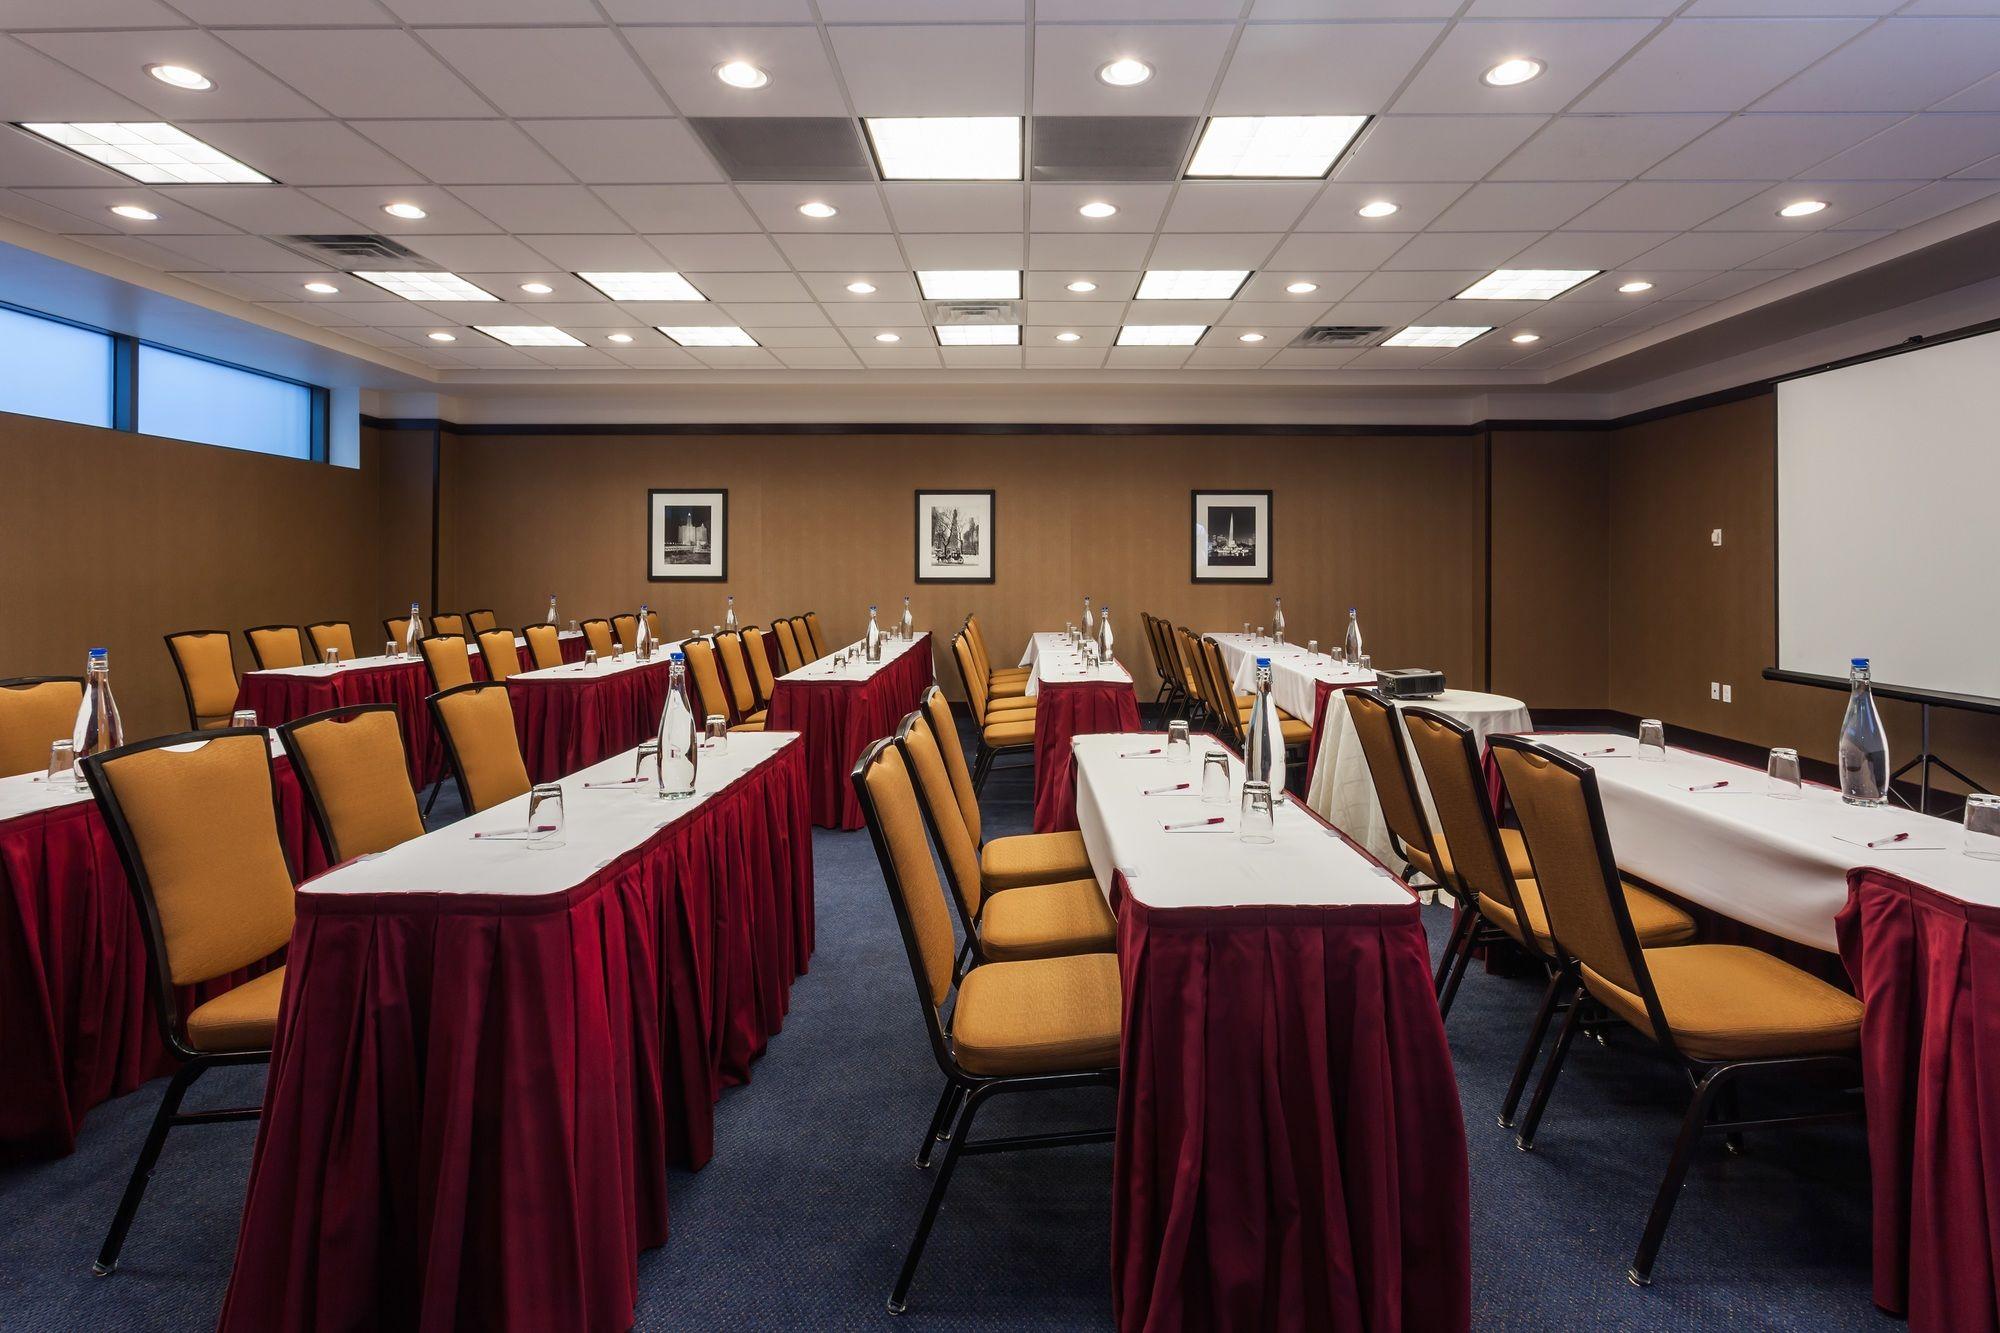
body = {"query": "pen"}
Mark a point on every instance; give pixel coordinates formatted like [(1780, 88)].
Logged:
[(1140, 754), (1162, 791), (1884, 842), (1710, 786), (1596, 754), (1195, 823), (517, 833)]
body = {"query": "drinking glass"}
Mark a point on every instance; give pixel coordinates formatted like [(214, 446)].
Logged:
[(1258, 819), (1339, 652), (389, 648), (590, 657), (1982, 826), (1178, 749), (1260, 634), (243, 717), (718, 733), (1653, 740), (545, 816), (62, 763), (647, 750), (574, 627), (333, 657), (1246, 629), (1215, 778), (1783, 769), (1366, 662), (1312, 646)]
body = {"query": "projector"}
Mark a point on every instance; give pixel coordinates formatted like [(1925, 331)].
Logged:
[(1410, 683)]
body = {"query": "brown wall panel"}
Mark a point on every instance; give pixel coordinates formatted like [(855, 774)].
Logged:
[(1550, 580)]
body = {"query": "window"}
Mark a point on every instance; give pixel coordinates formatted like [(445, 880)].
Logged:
[(188, 398), (54, 369)]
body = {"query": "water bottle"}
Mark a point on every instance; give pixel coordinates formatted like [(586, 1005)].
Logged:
[(1864, 746), (412, 632), (552, 610), (1089, 622), (1353, 641), (1278, 619), (909, 622), (680, 736), (873, 638), (729, 616), (98, 727), (642, 635), (1264, 745), (1104, 636)]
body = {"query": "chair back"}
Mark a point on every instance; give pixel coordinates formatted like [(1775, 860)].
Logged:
[(482, 620), (1151, 624), (1382, 744), (448, 622), (356, 777), (705, 675), (971, 676), (937, 711), (398, 630), (1186, 654), (788, 645), (502, 658), (477, 723), (888, 799), (195, 820), (449, 660), (980, 654), (597, 637), (736, 672), (545, 642), (35, 713), (1562, 820), (815, 634), (802, 635), (275, 646), (939, 801), (208, 675), (1219, 691), (652, 628), (336, 634), (756, 647), (1446, 753), (626, 627)]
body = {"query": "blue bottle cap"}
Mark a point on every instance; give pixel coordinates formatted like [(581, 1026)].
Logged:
[(1861, 662), (1263, 662), (100, 652), (676, 656)]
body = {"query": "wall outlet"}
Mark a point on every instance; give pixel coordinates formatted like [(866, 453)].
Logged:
[(1725, 694), (1715, 537), (1715, 689)]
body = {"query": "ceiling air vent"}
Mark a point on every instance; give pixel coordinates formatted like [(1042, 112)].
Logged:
[(1338, 335), (974, 312), (344, 251)]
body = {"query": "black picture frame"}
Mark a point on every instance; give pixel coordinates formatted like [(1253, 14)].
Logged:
[(659, 500), (988, 538), (1261, 538)]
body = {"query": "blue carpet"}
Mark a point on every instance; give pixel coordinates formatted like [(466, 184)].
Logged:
[(802, 1217)]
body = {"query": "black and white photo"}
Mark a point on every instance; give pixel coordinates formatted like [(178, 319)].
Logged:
[(955, 536), (687, 536), (1232, 537)]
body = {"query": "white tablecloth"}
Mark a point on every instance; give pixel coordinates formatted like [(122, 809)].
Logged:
[(1058, 662), (599, 826), (1780, 866), (1342, 788), (827, 668), (602, 667), (1308, 864), (1295, 673), (32, 793)]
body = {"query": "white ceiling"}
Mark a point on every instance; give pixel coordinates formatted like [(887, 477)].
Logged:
[(546, 136)]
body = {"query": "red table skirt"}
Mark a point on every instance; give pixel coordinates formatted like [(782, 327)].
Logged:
[(565, 725), (840, 718), (1063, 710), (1927, 968), (474, 1100), (280, 697), (1291, 1149), (77, 1023)]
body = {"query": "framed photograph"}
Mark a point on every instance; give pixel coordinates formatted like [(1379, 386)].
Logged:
[(1232, 537), (687, 536), (955, 536)]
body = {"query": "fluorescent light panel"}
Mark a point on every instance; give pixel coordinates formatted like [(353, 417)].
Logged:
[(1191, 284), (1161, 335), (1436, 335), (1261, 147), (979, 335), (970, 284), (428, 286), (643, 286), (707, 335), (529, 335), (946, 148), (151, 151), (1526, 284)]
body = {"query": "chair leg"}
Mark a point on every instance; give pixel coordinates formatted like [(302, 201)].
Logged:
[(982, 764), (1640, 1274), (1460, 962), (142, 1170), (1525, 1140), (899, 1297), (1537, 1034), (1729, 1107), (1461, 923), (436, 787), (940, 1122)]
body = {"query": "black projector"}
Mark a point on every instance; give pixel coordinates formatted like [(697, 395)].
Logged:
[(1410, 683)]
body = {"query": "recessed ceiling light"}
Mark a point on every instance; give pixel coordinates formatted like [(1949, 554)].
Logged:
[(442, 337), (1067, 336), (1191, 284), (707, 335), (1803, 208), (643, 286), (1003, 284), (618, 337), (427, 286), (1125, 72), (1508, 73), (861, 288), (180, 76), (1301, 288), (536, 288), (1098, 209), (741, 74), (1161, 335), (817, 208), (1436, 335), (1273, 146), (1638, 285), (946, 148), (529, 335), (136, 213), (1249, 337), (1526, 284), (322, 288), (1527, 337), (888, 337), (409, 212), (150, 151), (1376, 208), (1082, 285), (979, 335)]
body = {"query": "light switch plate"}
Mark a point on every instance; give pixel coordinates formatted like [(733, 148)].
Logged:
[(1725, 694), (1715, 689), (1715, 537)]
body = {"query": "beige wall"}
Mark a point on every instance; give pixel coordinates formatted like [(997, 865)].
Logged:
[(1549, 576)]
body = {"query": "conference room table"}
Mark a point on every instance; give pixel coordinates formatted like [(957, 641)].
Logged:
[(1301, 681), (1290, 1148), (77, 1023), (491, 1049), (574, 715), (840, 706), (1071, 699)]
